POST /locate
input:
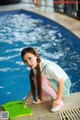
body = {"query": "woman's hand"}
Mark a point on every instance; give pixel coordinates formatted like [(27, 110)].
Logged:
[(28, 97), (27, 100), (56, 102)]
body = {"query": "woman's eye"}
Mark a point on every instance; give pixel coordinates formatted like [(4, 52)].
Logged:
[(25, 61), (30, 58)]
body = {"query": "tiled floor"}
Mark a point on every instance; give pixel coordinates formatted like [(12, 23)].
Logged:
[(42, 111)]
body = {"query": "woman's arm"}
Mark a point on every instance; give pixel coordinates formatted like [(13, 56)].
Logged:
[(60, 89), (28, 97), (59, 94)]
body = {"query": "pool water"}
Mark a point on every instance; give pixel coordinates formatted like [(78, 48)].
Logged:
[(19, 29)]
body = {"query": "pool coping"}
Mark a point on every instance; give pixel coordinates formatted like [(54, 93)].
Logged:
[(42, 111)]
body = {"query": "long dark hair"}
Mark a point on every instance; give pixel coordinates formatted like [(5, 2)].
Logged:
[(39, 91)]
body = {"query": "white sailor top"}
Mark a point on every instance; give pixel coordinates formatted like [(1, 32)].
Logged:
[(54, 73)]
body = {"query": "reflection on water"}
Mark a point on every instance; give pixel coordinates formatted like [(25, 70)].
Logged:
[(19, 31)]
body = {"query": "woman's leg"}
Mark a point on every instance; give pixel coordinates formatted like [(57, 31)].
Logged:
[(48, 89)]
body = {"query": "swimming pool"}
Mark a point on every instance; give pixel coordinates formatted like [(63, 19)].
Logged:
[(19, 29)]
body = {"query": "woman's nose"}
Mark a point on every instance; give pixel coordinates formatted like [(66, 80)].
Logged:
[(29, 63)]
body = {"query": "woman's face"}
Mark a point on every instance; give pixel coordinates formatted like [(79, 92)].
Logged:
[(30, 60)]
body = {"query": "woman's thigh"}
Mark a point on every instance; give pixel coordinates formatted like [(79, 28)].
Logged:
[(48, 89)]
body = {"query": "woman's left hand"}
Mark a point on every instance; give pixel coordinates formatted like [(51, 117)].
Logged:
[(56, 102)]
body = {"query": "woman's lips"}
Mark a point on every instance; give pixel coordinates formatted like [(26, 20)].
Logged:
[(31, 66)]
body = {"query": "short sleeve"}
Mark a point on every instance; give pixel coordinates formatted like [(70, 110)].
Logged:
[(53, 72)]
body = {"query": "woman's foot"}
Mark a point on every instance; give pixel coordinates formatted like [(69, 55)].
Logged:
[(57, 108), (37, 102)]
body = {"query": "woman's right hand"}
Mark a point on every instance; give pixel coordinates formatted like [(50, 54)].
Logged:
[(28, 97), (27, 100)]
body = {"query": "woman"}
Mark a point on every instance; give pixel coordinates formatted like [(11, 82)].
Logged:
[(46, 78)]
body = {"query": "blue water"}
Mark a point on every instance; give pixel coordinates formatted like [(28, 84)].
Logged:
[(54, 42)]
